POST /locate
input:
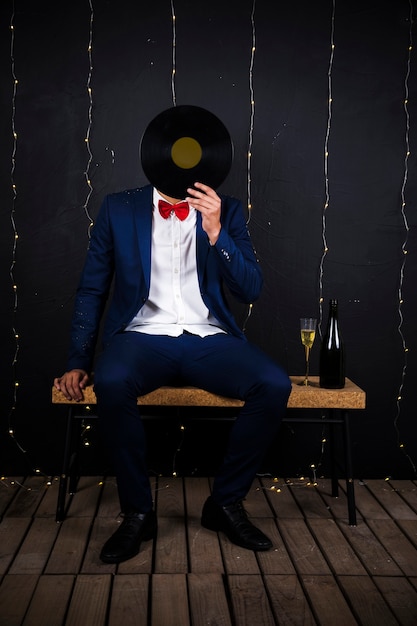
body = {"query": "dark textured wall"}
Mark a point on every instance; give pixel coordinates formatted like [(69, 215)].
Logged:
[(273, 98)]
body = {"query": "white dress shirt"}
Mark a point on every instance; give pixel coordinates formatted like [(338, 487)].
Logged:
[(174, 304)]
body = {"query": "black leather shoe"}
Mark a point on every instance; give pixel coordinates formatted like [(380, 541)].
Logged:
[(233, 521), (125, 542)]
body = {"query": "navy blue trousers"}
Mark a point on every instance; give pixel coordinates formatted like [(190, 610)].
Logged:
[(134, 363)]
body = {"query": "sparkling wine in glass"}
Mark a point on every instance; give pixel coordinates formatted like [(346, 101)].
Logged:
[(308, 332)]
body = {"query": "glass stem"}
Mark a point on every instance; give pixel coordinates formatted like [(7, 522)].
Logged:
[(307, 364)]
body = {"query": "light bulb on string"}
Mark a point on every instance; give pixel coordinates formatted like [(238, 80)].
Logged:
[(403, 212), (252, 115), (14, 288), (250, 139), (15, 235), (15, 136), (326, 166), (326, 204), (90, 123), (174, 54), (178, 450)]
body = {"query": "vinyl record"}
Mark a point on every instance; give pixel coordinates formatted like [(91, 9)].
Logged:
[(184, 145)]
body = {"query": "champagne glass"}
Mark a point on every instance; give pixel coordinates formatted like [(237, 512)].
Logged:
[(308, 333)]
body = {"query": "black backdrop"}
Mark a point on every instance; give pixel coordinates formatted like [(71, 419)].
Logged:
[(268, 70)]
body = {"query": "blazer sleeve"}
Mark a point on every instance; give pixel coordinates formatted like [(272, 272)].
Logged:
[(235, 255), (92, 293)]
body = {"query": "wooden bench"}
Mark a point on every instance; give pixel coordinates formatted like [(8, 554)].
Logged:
[(335, 403)]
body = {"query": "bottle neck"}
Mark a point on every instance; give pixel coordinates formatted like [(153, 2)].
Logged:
[(333, 309)]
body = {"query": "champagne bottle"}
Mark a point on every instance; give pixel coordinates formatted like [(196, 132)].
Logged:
[(332, 357)]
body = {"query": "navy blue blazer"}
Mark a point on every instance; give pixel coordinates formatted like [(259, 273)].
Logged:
[(119, 262)]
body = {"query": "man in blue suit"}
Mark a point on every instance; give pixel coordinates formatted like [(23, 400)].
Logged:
[(166, 260)]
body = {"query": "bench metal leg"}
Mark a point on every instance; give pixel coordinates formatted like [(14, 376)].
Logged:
[(73, 471), (62, 491), (350, 486), (342, 420), (333, 458), (70, 466), (347, 449), (63, 479)]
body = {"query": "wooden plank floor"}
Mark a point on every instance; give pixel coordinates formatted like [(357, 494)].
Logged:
[(321, 571)]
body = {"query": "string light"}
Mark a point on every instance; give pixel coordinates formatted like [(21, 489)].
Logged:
[(313, 482), (400, 444), (14, 227), (37, 471), (314, 467), (278, 486), (326, 205), (250, 140), (86, 427), (326, 167), (178, 450), (90, 122), (15, 332), (248, 315), (174, 54), (252, 114)]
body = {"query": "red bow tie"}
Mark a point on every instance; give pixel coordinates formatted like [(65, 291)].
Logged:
[(181, 209)]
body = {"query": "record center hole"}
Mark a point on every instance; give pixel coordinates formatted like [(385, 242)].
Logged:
[(186, 153)]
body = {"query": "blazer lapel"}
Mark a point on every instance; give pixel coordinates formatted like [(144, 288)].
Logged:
[(142, 211), (202, 245)]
